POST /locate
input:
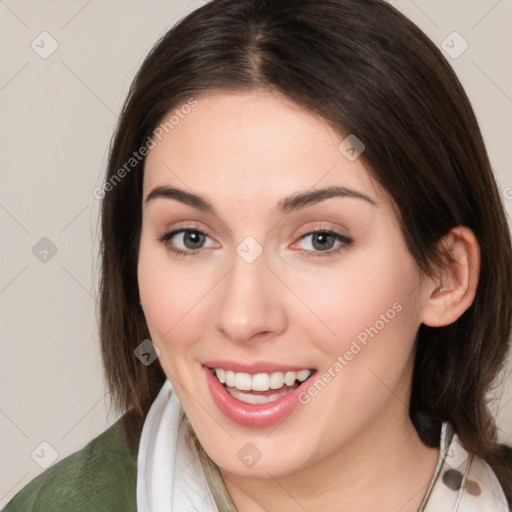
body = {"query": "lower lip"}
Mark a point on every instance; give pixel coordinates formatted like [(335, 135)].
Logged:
[(253, 415)]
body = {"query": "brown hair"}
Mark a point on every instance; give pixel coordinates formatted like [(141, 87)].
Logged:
[(366, 69)]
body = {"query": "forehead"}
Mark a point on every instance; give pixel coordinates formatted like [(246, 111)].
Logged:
[(250, 144)]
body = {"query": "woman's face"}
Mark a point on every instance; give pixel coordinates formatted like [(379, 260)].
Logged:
[(256, 294)]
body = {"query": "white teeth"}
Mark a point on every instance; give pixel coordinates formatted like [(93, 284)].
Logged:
[(221, 375), (276, 380), (303, 375), (290, 378), (230, 379), (243, 381), (260, 381)]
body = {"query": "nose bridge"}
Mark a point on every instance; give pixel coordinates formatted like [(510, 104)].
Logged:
[(248, 304)]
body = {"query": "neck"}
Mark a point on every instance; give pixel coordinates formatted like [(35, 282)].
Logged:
[(385, 467)]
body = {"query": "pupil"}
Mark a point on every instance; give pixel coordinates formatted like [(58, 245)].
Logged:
[(193, 239), (323, 241)]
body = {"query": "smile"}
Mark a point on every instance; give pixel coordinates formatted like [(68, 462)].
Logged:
[(256, 399), (260, 381)]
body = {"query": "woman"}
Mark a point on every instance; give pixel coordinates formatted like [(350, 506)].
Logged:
[(306, 282)]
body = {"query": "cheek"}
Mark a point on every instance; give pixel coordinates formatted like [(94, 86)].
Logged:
[(367, 296), (174, 297), (375, 334)]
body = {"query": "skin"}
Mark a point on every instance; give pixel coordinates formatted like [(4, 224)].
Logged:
[(244, 152)]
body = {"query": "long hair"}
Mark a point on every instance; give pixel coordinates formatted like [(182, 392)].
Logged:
[(365, 69)]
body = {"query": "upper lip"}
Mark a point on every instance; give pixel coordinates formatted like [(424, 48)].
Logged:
[(255, 366)]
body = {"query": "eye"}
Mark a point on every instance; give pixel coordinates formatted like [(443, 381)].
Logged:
[(323, 243), (319, 243), (185, 241)]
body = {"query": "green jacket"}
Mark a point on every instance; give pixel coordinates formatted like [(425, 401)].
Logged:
[(101, 477)]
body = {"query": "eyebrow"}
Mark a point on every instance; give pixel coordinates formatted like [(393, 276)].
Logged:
[(288, 204)]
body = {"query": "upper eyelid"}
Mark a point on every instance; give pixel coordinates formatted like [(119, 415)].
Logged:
[(340, 237), (171, 233), (190, 227), (320, 229)]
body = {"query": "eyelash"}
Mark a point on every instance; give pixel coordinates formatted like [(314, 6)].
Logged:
[(345, 242)]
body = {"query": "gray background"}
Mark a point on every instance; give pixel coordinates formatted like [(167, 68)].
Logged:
[(58, 113)]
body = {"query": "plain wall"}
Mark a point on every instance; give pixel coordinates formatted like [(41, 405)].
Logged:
[(58, 114)]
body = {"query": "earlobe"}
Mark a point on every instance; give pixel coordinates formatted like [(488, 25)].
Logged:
[(454, 289)]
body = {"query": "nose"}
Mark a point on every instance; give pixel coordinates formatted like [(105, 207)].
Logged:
[(250, 303)]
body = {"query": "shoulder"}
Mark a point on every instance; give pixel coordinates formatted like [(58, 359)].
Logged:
[(101, 476)]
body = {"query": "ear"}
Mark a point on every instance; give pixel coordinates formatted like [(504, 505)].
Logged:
[(453, 289)]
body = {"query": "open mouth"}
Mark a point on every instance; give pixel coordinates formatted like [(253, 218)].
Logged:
[(260, 388)]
